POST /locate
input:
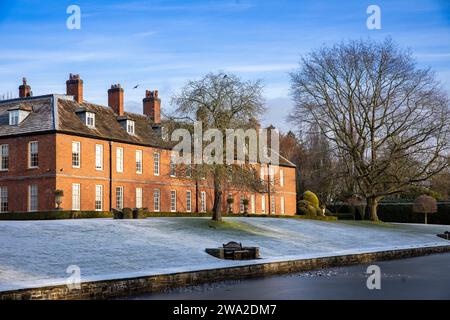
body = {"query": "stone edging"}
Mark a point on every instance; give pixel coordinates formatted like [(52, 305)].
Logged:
[(105, 289)]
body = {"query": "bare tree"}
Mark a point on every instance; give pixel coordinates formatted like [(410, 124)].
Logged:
[(387, 118), (223, 101)]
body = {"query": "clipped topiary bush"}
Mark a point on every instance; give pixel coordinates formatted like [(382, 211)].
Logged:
[(139, 213), (425, 204), (311, 198), (117, 214), (127, 213), (306, 208)]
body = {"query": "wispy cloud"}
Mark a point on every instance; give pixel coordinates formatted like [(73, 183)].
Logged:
[(145, 34), (433, 56), (261, 68)]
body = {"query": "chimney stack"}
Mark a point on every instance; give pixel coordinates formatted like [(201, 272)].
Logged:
[(74, 87), (152, 106), (24, 89), (115, 99)]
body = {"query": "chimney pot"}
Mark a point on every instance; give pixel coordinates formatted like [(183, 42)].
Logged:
[(24, 89), (74, 87), (115, 99), (152, 106)]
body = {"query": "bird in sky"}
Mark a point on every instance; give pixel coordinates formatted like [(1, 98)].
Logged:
[(136, 86)]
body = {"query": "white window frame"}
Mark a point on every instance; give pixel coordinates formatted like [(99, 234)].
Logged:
[(14, 117), (76, 152), (139, 165), (252, 204), (241, 204), (119, 197), (203, 201), (172, 166), (282, 210), (263, 204), (188, 171), (30, 154), (76, 197), (4, 157), (173, 201), (99, 157), (156, 200), (90, 119), (156, 163), (188, 201), (98, 197), (130, 126), (139, 198), (281, 178), (4, 205), (273, 205), (33, 198), (119, 159), (272, 175)]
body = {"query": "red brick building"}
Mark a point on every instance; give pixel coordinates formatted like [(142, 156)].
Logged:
[(103, 157)]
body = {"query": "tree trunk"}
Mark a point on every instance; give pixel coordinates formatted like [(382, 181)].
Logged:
[(217, 207), (373, 205), (426, 218)]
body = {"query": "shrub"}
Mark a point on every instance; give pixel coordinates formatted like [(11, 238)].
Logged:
[(127, 213), (303, 211), (311, 198), (139, 213), (54, 215), (117, 214), (305, 208)]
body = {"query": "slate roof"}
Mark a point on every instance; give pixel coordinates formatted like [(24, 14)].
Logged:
[(107, 125), (41, 119), (60, 113)]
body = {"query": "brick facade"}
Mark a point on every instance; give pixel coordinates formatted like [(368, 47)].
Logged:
[(32, 189), (55, 171)]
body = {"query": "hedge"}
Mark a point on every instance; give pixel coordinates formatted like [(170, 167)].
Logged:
[(60, 215), (403, 213), (400, 212), (54, 215), (208, 215)]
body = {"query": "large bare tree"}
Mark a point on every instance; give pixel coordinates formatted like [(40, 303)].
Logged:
[(387, 118), (223, 101)]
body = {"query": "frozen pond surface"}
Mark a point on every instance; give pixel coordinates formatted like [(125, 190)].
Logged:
[(36, 253), (413, 278)]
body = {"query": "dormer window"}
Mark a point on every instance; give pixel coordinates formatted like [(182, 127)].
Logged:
[(86, 116), (127, 124), (13, 117), (130, 126), (90, 119), (18, 114)]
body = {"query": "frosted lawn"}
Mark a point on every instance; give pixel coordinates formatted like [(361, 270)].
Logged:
[(37, 253)]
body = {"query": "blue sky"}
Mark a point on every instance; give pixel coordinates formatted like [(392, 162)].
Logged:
[(162, 44)]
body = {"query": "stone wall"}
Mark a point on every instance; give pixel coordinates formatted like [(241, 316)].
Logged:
[(133, 286)]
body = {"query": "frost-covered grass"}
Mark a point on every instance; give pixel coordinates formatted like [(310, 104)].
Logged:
[(34, 253)]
